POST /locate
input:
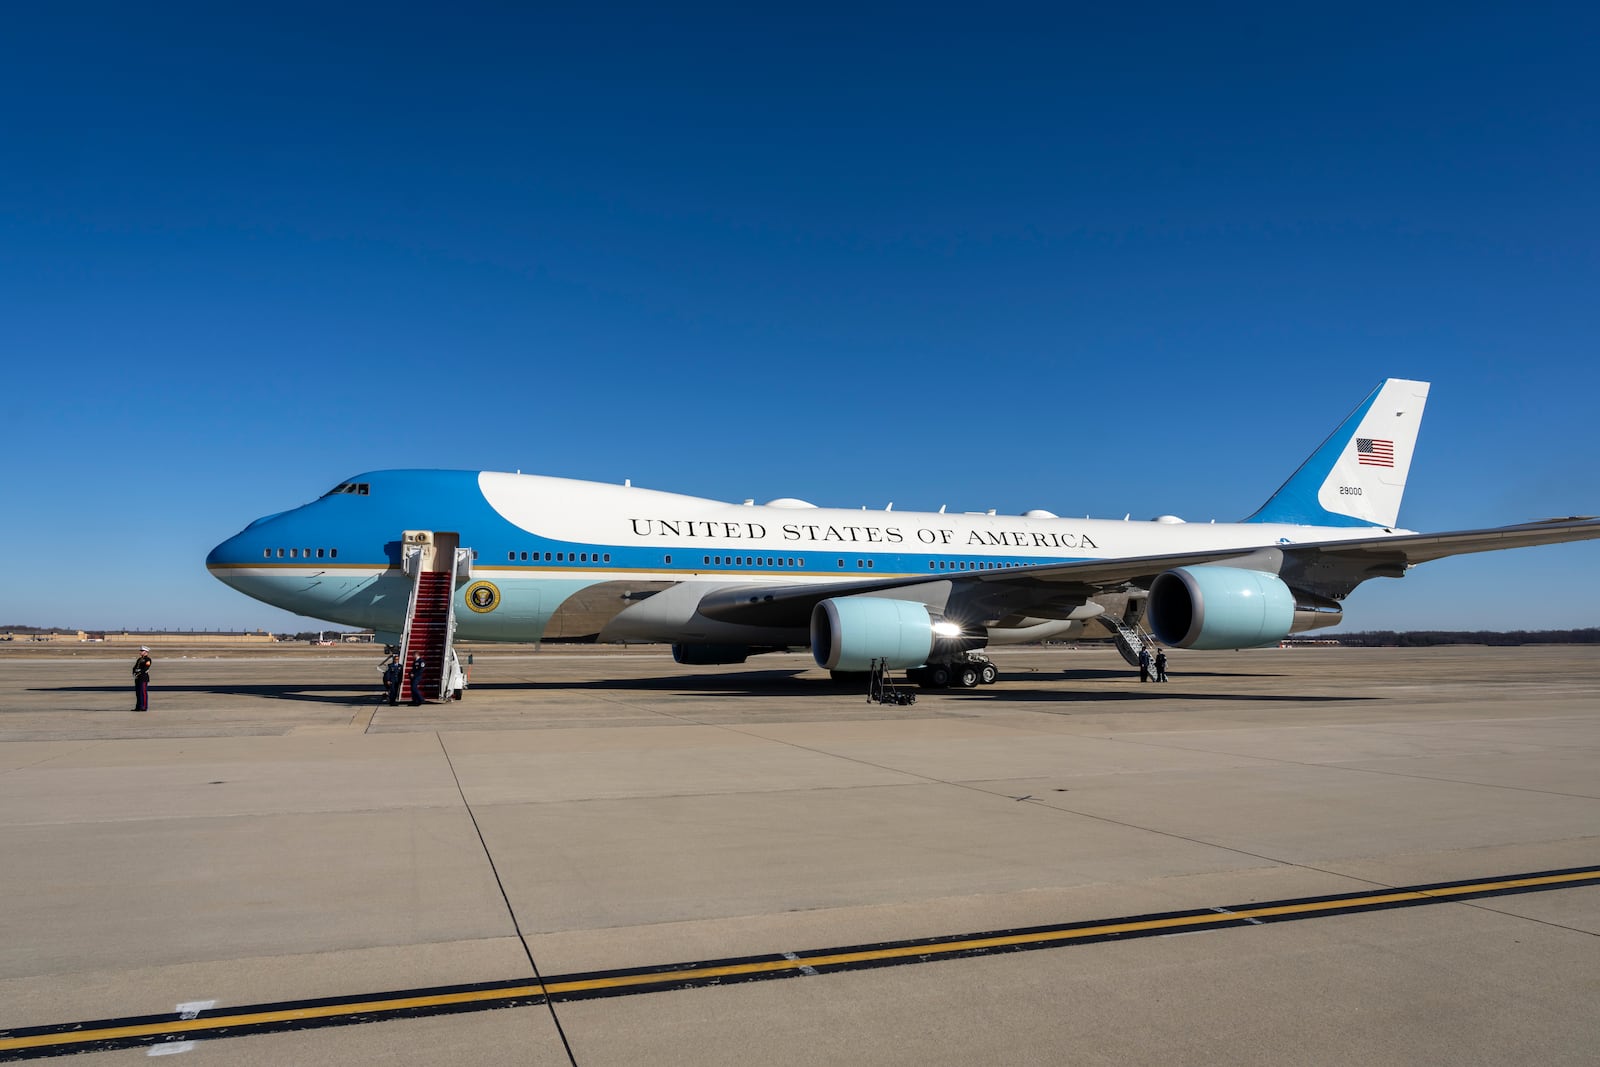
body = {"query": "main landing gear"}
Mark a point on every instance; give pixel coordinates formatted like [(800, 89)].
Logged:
[(969, 671)]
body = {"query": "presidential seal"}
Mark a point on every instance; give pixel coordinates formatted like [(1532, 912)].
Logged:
[(483, 596)]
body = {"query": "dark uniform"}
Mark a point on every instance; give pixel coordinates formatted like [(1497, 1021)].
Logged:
[(416, 679), (1161, 664), (391, 680), (141, 681)]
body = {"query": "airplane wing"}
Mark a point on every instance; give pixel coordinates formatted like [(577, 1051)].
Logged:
[(1420, 548), (1326, 568)]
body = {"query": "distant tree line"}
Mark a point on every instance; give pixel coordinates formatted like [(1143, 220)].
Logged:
[(1427, 638)]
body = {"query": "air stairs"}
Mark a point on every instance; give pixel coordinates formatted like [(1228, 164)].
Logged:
[(1129, 638), (436, 569)]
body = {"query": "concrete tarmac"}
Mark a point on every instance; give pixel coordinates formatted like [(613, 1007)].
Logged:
[(271, 834)]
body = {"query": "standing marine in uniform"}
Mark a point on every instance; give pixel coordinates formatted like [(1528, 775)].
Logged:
[(141, 680)]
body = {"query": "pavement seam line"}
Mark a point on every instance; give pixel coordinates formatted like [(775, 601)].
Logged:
[(504, 896)]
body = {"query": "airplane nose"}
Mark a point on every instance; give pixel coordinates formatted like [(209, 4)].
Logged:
[(228, 554), (243, 549)]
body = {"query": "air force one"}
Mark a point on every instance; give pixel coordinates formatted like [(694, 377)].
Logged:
[(428, 556)]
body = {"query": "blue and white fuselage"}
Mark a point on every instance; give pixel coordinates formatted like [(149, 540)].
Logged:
[(554, 558), (542, 540)]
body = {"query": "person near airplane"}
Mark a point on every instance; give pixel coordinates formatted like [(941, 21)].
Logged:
[(392, 674), (141, 680)]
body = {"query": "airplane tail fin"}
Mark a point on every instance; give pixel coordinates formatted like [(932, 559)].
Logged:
[(1358, 475)]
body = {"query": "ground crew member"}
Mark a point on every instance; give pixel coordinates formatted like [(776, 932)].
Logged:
[(1144, 665), (392, 673), (141, 680)]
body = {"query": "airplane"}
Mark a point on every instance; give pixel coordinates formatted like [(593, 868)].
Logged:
[(538, 558)]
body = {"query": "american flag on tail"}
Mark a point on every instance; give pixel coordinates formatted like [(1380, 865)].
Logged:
[(1374, 452)]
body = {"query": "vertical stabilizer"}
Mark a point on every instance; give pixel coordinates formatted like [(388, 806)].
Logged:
[(1358, 475)]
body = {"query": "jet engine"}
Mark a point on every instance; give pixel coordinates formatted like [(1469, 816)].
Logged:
[(848, 633), (1220, 607)]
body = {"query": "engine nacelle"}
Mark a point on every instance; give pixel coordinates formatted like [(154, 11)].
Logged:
[(1219, 607), (848, 633)]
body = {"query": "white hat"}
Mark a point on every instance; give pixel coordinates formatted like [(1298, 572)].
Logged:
[(144, 648)]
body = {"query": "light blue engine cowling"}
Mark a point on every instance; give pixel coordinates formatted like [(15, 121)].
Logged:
[(1219, 607), (848, 633)]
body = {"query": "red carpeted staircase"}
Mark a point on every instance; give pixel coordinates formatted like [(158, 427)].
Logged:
[(428, 633)]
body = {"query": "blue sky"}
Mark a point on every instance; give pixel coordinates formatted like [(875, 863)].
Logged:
[(1101, 260)]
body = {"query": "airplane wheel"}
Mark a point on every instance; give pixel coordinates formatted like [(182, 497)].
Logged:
[(988, 674), (939, 676), (967, 678)]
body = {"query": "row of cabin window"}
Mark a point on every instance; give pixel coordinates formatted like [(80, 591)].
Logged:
[(710, 561), (296, 553), (965, 565), (933, 565)]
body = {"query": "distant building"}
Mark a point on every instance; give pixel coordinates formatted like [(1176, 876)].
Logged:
[(27, 633), (182, 637)]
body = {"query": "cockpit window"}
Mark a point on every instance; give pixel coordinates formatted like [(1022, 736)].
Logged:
[(354, 488)]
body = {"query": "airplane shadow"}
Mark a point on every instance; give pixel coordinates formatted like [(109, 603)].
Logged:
[(748, 683), (1149, 693), (1128, 674), (774, 683), (780, 683)]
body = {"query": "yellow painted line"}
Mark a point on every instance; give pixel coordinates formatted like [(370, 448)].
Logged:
[(555, 990), (1080, 933)]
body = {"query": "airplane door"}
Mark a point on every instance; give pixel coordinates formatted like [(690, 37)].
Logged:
[(433, 551), (444, 550)]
